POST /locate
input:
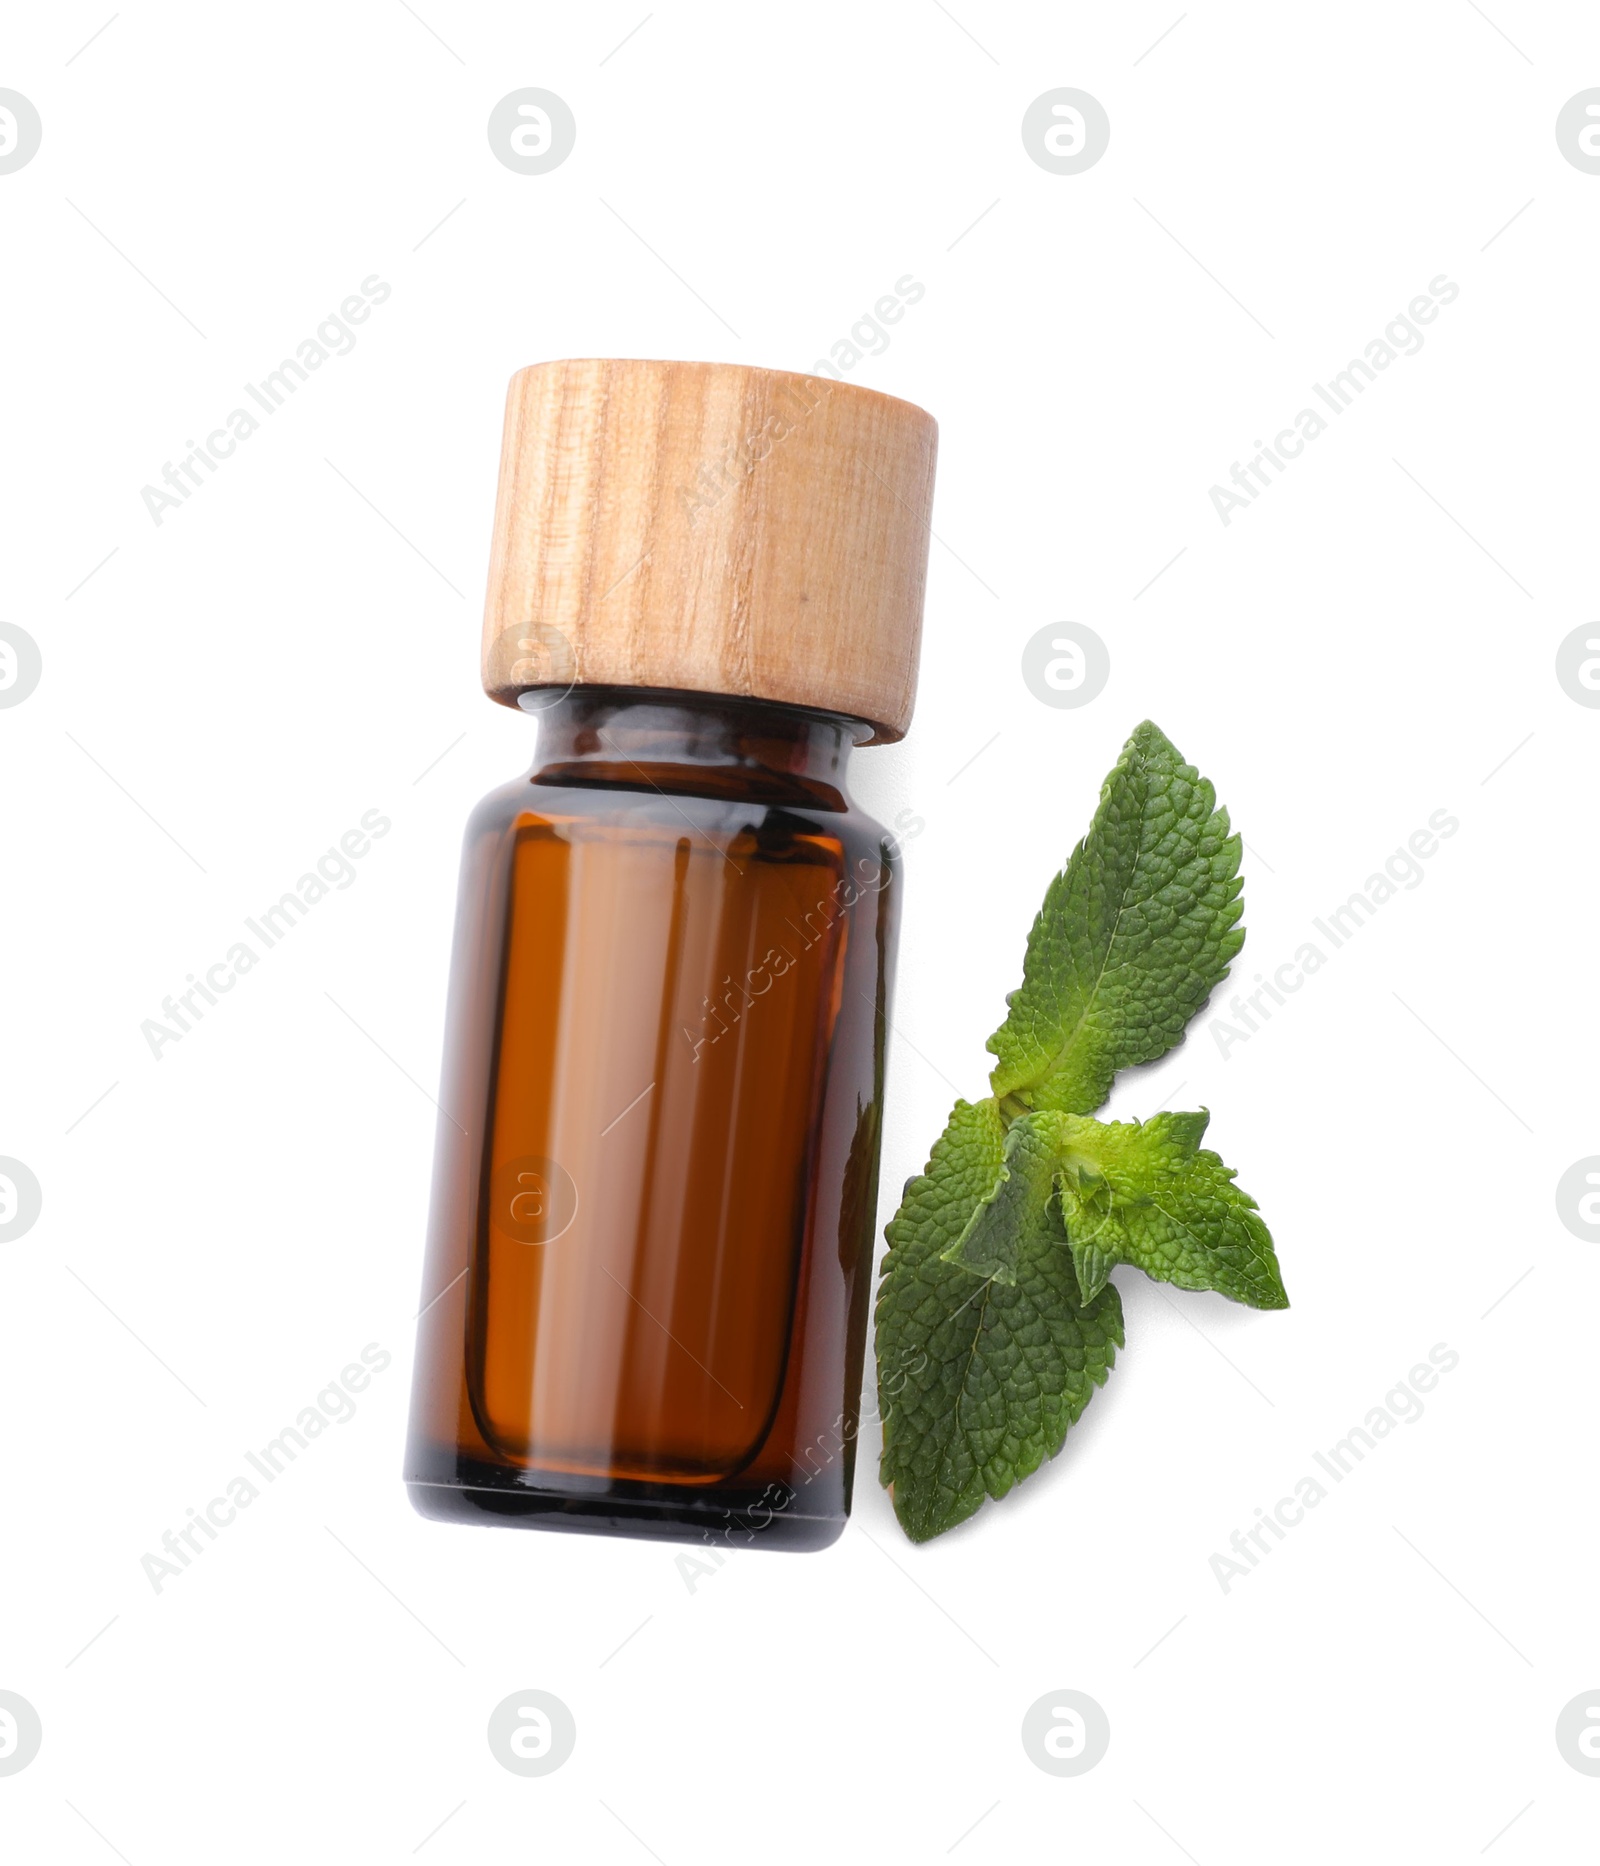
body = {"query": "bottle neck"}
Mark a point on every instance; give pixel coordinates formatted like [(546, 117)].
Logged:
[(639, 739)]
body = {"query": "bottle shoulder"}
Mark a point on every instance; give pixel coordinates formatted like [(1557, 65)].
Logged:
[(714, 808)]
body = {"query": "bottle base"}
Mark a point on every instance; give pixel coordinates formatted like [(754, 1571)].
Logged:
[(753, 1521)]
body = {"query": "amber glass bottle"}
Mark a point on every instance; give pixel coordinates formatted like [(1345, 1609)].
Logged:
[(655, 1188)]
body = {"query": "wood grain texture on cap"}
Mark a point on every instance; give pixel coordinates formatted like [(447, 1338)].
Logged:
[(710, 528)]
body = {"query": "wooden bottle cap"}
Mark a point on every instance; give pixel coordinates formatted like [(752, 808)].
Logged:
[(713, 529)]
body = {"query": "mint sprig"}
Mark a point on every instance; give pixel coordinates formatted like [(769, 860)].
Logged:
[(996, 1316)]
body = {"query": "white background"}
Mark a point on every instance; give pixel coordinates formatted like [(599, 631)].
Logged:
[(1373, 640)]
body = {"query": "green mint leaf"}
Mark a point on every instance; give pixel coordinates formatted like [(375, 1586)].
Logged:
[(1149, 1195), (1135, 933), (1017, 1215), (978, 1380), (1092, 1264)]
